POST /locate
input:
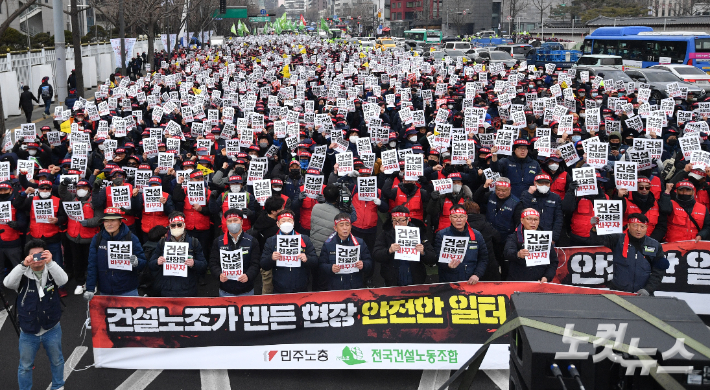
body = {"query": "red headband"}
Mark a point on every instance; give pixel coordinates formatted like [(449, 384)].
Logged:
[(458, 211), (644, 180), (337, 221), (394, 215), (178, 218), (285, 215), (685, 183), (196, 174), (529, 213), (502, 184), (635, 220)]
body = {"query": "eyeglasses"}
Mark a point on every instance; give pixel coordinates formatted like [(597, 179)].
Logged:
[(399, 220), (646, 188), (176, 225)]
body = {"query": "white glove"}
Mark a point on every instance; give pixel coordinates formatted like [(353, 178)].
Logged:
[(377, 201), (354, 174), (88, 295), (134, 261)]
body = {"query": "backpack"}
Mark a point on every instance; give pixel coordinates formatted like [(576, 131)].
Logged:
[(45, 92)]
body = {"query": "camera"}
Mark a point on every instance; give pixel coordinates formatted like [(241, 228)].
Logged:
[(345, 198), (37, 257)]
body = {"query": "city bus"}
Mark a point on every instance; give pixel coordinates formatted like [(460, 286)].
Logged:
[(641, 47), (423, 35)]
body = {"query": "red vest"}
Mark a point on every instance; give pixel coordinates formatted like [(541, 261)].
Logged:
[(194, 220), (129, 219), (154, 218), (366, 211), (558, 185), (581, 218), (702, 197), (246, 224), (415, 206), (656, 189), (10, 234), (40, 230), (444, 220), (652, 215), (395, 183), (680, 227), (306, 210), (74, 228)]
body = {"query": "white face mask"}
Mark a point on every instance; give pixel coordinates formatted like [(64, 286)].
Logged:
[(235, 188), (287, 227), (354, 138), (82, 193), (45, 195), (543, 189), (553, 167), (234, 228), (393, 144), (177, 232), (695, 176), (102, 147), (32, 152), (457, 187), (413, 138)]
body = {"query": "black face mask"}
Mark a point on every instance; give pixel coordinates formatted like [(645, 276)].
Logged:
[(685, 198), (408, 187), (432, 163), (447, 170), (4, 197), (629, 141), (117, 181), (671, 141), (239, 171), (294, 173)]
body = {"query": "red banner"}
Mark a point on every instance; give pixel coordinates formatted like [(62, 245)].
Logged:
[(436, 326)]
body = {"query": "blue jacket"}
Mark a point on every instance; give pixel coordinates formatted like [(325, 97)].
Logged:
[(34, 313), (475, 260), (633, 272), (327, 259), (111, 281), (289, 279), (549, 206), (521, 172), (250, 261), (504, 220), (178, 286)]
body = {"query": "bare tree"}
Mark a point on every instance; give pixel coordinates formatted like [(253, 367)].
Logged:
[(515, 7), (542, 6), (3, 28)]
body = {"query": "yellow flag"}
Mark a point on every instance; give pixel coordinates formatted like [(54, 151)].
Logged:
[(204, 169), (196, 91), (286, 72), (362, 55), (367, 64), (564, 84), (66, 127)]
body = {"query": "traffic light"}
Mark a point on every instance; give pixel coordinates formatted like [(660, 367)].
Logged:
[(222, 7)]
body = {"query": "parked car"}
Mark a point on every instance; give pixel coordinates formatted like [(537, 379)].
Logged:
[(457, 48), (494, 56), (687, 73), (385, 43), (660, 79), (600, 60), (518, 51), (606, 72)]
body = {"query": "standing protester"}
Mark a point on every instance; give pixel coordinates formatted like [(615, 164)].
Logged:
[(37, 282), (235, 239), (475, 258), (26, 99), (516, 253), (47, 93), (330, 270)]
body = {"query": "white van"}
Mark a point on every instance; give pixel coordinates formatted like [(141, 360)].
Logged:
[(600, 60)]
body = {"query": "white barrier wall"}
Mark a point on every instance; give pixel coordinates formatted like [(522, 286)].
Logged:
[(105, 66), (89, 68), (39, 72), (10, 94)]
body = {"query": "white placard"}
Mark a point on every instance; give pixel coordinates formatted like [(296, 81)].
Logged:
[(407, 238), (538, 243), (289, 246), (609, 213), (121, 196), (175, 254), (346, 257), (452, 248), (151, 199), (232, 263), (587, 180), (119, 255)]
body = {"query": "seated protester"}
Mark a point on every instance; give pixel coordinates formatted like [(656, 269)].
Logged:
[(337, 277), (639, 260), (475, 259), (38, 306), (235, 239), (100, 274), (402, 272), (294, 278), (178, 286), (516, 253)]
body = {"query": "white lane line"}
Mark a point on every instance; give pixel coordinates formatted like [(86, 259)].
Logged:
[(214, 379), (139, 380), (433, 379), (71, 363), (501, 378), (3, 317)]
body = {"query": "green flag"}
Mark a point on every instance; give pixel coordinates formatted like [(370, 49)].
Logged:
[(324, 26), (246, 29), (234, 31)]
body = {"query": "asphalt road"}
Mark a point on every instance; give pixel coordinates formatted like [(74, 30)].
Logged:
[(78, 355)]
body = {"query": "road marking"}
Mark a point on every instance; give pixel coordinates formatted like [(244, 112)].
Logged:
[(139, 380), (214, 379), (501, 378), (71, 363), (3, 317), (433, 379)]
